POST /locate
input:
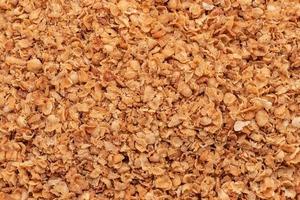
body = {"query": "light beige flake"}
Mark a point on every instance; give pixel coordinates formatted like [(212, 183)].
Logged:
[(207, 6), (47, 107), (14, 61), (205, 121), (261, 118), (61, 188), (149, 93), (34, 65), (239, 125), (163, 182), (296, 122), (184, 89), (175, 120), (21, 121), (52, 123), (229, 99)]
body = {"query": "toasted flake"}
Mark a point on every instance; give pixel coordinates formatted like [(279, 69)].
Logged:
[(239, 125), (296, 122), (205, 121), (207, 6), (262, 118), (34, 65), (52, 123), (175, 120), (21, 121), (14, 61), (229, 99), (163, 182), (184, 89), (149, 93)]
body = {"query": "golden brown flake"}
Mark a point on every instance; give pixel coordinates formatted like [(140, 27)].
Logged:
[(262, 118), (163, 182), (34, 65)]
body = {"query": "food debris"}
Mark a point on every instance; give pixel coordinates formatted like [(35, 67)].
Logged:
[(152, 99)]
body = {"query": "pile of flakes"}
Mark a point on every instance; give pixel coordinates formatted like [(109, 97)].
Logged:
[(149, 99)]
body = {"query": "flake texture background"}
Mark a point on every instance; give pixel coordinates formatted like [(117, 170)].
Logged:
[(149, 99)]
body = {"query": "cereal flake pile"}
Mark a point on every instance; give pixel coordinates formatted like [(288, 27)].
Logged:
[(149, 99)]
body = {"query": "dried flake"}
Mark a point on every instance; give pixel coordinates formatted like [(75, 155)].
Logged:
[(35, 14), (123, 5), (117, 158), (52, 123), (195, 10), (175, 120), (173, 4), (184, 89), (47, 108), (14, 61), (156, 102), (222, 195), (296, 122), (73, 76), (239, 125), (60, 187), (21, 121), (168, 51), (263, 103), (25, 43), (149, 93), (229, 99), (205, 121), (245, 2), (163, 182), (82, 76), (189, 132), (82, 107), (157, 171), (261, 118), (207, 6), (176, 142), (34, 65), (130, 74), (110, 147)]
